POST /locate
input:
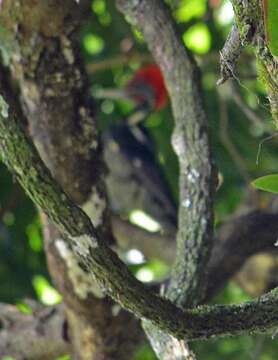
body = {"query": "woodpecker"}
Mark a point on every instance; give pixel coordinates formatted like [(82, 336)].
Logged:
[(136, 179), (146, 89)]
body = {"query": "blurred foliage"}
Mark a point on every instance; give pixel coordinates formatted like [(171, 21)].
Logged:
[(204, 26), (267, 183), (21, 249)]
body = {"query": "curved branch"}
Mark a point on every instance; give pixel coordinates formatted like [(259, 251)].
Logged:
[(53, 85), (99, 261)]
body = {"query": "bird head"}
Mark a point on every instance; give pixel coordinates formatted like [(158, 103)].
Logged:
[(147, 87)]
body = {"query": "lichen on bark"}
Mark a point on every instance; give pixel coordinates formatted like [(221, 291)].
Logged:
[(250, 23)]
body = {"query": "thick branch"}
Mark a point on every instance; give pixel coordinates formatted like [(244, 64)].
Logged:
[(190, 142), (54, 95), (101, 262)]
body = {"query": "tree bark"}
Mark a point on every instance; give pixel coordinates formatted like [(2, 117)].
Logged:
[(48, 71), (47, 68)]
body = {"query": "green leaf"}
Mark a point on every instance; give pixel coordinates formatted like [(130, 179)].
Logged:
[(271, 19), (267, 183)]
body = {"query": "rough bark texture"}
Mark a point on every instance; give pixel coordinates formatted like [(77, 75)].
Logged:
[(256, 231), (229, 56), (250, 25), (46, 66), (95, 322), (101, 263), (190, 142)]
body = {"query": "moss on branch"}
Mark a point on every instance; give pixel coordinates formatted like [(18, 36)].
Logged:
[(250, 23), (101, 262)]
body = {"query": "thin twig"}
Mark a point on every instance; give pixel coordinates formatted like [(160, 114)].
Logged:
[(228, 144), (117, 61), (248, 112), (229, 56), (259, 346)]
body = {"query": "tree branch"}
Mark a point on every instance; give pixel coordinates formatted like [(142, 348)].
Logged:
[(102, 263), (46, 66), (229, 56), (190, 142), (250, 25), (120, 60)]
